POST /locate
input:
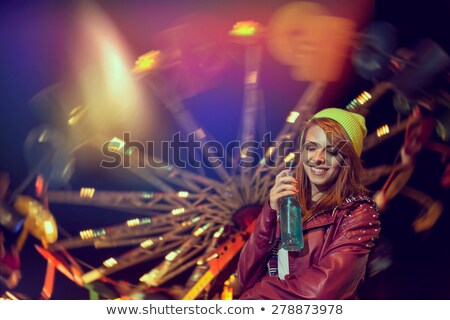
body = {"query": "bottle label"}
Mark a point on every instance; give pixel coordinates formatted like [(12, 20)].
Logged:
[(283, 263)]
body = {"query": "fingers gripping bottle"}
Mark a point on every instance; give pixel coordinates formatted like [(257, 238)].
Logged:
[(291, 221)]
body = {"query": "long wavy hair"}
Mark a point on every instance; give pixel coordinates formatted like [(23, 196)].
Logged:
[(347, 182)]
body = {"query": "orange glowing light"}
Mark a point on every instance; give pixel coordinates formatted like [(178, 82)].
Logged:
[(305, 36), (146, 62), (293, 116), (87, 193), (39, 185), (227, 293), (383, 130), (244, 28)]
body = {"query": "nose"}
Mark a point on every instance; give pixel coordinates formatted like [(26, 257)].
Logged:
[(318, 157)]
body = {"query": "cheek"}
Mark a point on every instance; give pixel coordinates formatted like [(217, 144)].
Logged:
[(335, 172), (304, 157), (305, 169), (334, 160)]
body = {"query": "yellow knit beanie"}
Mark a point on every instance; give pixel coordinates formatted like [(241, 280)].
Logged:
[(354, 125)]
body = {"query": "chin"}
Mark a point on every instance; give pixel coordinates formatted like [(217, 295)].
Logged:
[(320, 184), (324, 182)]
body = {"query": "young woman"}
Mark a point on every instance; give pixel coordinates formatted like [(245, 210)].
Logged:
[(340, 222)]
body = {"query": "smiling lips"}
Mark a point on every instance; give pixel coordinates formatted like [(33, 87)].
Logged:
[(319, 171)]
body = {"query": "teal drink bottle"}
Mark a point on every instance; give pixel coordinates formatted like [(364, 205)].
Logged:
[(291, 226)]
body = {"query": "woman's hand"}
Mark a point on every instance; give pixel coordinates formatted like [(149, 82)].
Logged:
[(285, 185)]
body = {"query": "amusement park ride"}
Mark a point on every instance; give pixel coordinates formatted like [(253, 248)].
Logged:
[(193, 223)]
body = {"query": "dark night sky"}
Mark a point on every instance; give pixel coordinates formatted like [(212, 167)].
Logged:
[(36, 41)]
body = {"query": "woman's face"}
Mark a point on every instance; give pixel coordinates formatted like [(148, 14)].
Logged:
[(320, 159)]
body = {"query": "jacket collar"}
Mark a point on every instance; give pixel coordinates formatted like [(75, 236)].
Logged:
[(328, 217), (358, 198), (321, 219)]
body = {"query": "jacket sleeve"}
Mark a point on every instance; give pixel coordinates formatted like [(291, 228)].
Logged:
[(340, 270), (253, 258)]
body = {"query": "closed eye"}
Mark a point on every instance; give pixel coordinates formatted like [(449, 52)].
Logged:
[(310, 146), (333, 152)]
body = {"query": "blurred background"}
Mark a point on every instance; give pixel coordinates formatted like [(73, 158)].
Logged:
[(64, 59)]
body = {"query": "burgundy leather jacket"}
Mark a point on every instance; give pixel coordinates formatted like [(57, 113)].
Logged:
[(332, 263)]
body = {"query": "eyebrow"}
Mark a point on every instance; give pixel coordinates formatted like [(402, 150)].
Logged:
[(317, 144)]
